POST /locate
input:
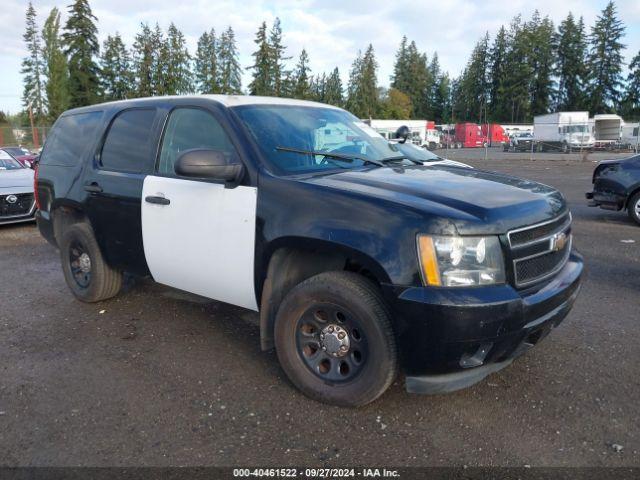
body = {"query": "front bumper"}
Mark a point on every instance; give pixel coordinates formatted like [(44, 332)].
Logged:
[(452, 338), (606, 200)]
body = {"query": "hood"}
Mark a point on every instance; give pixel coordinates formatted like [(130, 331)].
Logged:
[(19, 178), (475, 201)]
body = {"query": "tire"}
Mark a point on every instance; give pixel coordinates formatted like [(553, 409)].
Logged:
[(566, 148), (633, 208), (313, 315), (90, 281)]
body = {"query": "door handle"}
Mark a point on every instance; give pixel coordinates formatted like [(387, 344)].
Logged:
[(93, 188), (157, 200)]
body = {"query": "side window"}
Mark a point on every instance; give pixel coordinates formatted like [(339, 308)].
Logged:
[(129, 143), (69, 139), (190, 128)]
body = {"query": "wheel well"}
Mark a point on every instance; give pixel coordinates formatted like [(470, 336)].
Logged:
[(65, 216), (290, 266), (630, 196)]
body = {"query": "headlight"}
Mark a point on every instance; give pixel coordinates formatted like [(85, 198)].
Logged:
[(460, 261)]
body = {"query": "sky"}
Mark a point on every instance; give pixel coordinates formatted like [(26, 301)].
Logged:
[(332, 31)]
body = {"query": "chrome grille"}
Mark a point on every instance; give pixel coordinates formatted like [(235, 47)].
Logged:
[(541, 250)]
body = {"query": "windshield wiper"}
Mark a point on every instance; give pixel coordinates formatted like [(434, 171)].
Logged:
[(347, 157), (401, 157)]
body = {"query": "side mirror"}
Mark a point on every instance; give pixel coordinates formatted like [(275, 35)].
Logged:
[(205, 163), (403, 133)]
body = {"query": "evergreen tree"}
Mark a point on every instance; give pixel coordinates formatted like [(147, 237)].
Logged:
[(631, 103), (301, 81), (362, 98), (318, 86), (144, 54), (229, 70), (541, 60), (605, 61), (401, 78), (178, 79), (515, 90), (333, 93), (55, 67), (81, 48), (570, 65), (442, 99), (497, 74), (474, 89), (115, 63), (160, 61), (206, 64), (277, 60), (32, 67), (262, 79)]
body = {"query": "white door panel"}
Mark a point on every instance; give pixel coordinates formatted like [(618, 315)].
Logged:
[(203, 242)]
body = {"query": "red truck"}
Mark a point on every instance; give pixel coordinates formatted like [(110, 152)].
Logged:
[(494, 134), (469, 135)]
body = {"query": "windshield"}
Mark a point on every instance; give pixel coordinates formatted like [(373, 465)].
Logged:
[(279, 127), (7, 162), (417, 153), (576, 128)]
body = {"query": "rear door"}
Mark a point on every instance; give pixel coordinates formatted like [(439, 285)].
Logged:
[(200, 236), (114, 187)]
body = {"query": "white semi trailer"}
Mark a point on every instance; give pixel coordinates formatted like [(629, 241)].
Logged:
[(423, 132), (565, 131)]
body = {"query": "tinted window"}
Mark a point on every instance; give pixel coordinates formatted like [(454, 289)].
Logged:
[(129, 143), (70, 138), (190, 128)]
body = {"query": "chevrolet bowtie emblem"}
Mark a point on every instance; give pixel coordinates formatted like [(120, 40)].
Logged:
[(558, 241)]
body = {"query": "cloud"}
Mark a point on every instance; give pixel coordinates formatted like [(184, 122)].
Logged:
[(332, 31)]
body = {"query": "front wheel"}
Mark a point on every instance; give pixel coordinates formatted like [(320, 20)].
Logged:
[(334, 339), (88, 276), (633, 208)]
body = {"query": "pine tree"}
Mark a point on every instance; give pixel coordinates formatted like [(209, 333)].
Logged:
[(442, 99), (179, 79), (474, 89), (317, 87), (160, 61), (32, 67), (605, 60), (631, 103), (115, 63), (333, 92), (81, 48), (144, 53), (362, 99), (206, 64), (230, 72), (497, 75), (541, 38), (570, 65), (55, 67), (411, 76), (262, 79), (277, 60), (301, 77), (401, 77), (515, 91)]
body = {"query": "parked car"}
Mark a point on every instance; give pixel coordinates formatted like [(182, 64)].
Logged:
[(616, 186), (24, 156), (16, 191), (359, 260), (520, 142)]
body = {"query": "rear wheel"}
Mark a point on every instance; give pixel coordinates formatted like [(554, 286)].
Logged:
[(633, 208), (334, 339), (88, 276)]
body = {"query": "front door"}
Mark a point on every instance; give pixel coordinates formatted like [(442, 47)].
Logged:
[(199, 236)]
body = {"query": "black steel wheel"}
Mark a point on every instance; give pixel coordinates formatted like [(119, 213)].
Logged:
[(87, 274), (334, 339), (331, 342)]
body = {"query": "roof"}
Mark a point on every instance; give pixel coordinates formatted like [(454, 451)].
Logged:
[(226, 100)]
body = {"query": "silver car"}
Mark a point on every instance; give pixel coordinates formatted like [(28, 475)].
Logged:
[(17, 202)]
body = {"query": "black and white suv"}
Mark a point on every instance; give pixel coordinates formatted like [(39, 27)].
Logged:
[(359, 259)]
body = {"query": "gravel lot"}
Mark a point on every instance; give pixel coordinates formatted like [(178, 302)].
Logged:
[(158, 377)]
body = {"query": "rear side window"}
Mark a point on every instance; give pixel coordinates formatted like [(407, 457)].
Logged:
[(129, 143), (70, 138)]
